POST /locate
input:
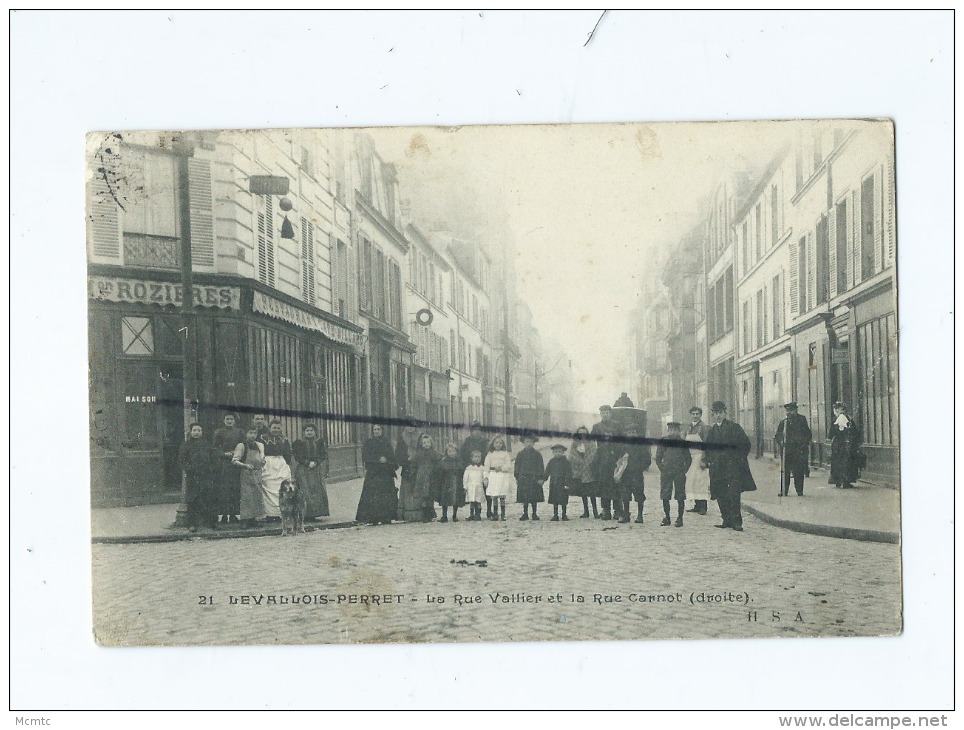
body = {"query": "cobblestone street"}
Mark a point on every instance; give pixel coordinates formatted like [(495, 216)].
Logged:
[(637, 582)]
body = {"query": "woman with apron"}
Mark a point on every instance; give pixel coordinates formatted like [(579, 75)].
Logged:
[(698, 476), (249, 458), (277, 467)]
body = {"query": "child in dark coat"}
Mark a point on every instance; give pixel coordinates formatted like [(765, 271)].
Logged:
[(529, 476), (673, 459), (559, 474), (450, 492), (633, 481)]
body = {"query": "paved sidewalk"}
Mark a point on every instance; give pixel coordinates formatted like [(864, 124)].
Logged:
[(868, 512), (155, 523)]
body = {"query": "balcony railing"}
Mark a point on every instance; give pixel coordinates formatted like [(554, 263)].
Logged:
[(153, 252)]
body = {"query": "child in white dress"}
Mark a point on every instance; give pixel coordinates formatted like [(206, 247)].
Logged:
[(498, 467), (473, 479)]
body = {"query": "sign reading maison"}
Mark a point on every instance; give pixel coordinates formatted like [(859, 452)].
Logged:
[(273, 308), (114, 289)]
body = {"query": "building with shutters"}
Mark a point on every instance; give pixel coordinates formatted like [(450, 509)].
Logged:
[(682, 276), (525, 367), (429, 281), (842, 278), (762, 230), (381, 254), (649, 354), (721, 312), (276, 330), (786, 291), (470, 353)]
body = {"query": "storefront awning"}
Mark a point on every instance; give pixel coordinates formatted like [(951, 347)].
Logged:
[(272, 307)]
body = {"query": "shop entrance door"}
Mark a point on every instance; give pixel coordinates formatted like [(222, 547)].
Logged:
[(170, 396)]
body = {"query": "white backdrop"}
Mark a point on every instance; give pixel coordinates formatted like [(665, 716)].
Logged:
[(76, 72)]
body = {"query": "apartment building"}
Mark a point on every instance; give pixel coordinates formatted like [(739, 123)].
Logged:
[(267, 332), (842, 286)]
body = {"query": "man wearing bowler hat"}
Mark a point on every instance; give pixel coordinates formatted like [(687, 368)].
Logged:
[(726, 455), (793, 438)]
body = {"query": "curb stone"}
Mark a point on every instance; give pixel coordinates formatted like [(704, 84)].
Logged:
[(214, 535), (846, 533)]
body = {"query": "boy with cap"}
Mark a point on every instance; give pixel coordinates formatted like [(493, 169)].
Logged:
[(633, 480), (673, 459), (559, 474)]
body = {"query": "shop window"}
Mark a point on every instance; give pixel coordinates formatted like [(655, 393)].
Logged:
[(167, 341), (137, 335), (141, 428)]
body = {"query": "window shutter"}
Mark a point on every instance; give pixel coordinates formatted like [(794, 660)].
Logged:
[(855, 242), (266, 253), (351, 285), (307, 261), (334, 275), (104, 237), (848, 262), (794, 286), (201, 196), (832, 259), (312, 261), (878, 221), (889, 213), (812, 270)]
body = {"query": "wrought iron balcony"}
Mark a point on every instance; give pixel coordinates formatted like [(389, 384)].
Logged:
[(153, 252)]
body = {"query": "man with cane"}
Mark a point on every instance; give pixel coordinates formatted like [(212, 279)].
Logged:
[(793, 437)]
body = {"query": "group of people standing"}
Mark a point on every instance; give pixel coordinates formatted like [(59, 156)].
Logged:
[(480, 471), (237, 477), (410, 479)]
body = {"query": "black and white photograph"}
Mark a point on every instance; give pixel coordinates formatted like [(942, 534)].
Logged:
[(482, 360), (451, 373)]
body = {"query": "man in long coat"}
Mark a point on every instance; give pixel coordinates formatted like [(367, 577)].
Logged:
[(606, 458), (793, 437), (726, 455)]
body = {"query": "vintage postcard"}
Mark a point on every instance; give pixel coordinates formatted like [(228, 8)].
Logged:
[(518, 383)]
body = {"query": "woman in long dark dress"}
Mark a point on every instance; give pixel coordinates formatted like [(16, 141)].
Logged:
[(199, 462), (844, 447), (226, 439), (311, 463), (405, 451), (378, 503), (417, 503)]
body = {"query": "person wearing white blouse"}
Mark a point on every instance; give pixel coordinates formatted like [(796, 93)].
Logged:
[(844, 443)]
